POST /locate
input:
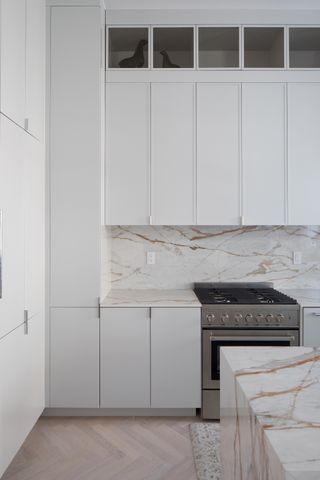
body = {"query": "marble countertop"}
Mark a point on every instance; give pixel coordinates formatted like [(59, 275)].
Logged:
[(306, 297), (270, 412), (151, 298)]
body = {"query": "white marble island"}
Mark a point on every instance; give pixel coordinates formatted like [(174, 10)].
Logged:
[(270, 413)]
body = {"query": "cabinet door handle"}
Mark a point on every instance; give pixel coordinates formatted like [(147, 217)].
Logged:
[(316, 314), (26, 322)]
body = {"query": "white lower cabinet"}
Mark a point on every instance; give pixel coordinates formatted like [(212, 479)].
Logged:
[(311, 327), (21, 386), (175, 358), (150, 362), (74, 358), (125, 358)]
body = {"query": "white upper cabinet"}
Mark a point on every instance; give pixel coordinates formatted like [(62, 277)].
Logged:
[(127, 155), (263, 153), (13, 59), (173, 153), (304, 153), (23, 63), (218, 155)]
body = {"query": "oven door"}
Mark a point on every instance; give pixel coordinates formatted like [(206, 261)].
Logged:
[(213, 340)]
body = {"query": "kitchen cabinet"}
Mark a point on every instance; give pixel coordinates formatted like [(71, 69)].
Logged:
[(13, 59), (303, 153), (75, 156), (12, 143), (23, 63), (263, 47), (175, 358), (173, 153), (304, 47), (125, 357), (21, 386), (218, 154), (128, 154), (264, 153), (173, 47), (128, 47), (311, 327), (74, 358), (219, 47)]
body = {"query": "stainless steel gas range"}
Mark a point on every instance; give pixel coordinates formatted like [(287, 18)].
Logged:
[(240, 314)]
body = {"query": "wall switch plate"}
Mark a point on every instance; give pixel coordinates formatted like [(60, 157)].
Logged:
[(296, 258), (151, 258)]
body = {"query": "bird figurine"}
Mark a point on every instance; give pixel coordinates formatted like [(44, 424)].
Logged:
[(166, 62), (137, 59)]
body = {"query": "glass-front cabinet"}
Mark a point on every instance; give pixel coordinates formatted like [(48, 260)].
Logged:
[(304, 47), (213, 47), (128, 47), (263, 47), (173, 47), (218, 47)]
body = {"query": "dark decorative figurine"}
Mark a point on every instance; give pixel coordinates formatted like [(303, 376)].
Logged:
[(137, 59), (166, 62)]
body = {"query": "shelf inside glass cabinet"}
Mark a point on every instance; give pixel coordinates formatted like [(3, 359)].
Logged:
[(128, 47), (263, 47), (304, 47), (173, 47), (218, 47)]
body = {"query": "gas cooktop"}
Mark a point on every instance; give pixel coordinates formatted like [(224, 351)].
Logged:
[(240, 294)]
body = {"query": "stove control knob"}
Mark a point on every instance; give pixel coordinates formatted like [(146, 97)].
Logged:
[(210, 318), (224, 318), (269, 318), (280, 318), (259, 318), (238, 318), (249, 318)]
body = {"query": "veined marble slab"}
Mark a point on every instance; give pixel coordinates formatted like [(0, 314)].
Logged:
[(306, 297), (270, 413), (151, 298)]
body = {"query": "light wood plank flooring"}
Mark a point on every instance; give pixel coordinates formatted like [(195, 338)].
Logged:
[(106, 448)]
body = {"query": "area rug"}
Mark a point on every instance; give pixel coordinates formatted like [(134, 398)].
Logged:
[(205, 438)]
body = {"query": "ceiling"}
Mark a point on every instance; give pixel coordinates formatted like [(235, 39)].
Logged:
[(213, 4)]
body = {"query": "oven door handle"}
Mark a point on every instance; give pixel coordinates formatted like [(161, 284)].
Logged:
[(213, 338)]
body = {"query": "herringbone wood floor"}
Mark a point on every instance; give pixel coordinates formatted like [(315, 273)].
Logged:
[(106, 448)]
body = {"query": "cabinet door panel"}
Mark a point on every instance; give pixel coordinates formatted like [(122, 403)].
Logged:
[(75, 160), (21, 386), (172, 157), (74, 358), (175, 358), (13, 61), (12, 153), (263, 150), (127, 176), (218, 158), (125, 358), (304, 153), (35, 66), (311, 327)]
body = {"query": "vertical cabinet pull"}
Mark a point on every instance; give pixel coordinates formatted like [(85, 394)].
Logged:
[(26, 322)]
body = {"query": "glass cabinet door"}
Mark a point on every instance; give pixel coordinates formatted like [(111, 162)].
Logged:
[(304, 47), (128, 47), (218, 47), (263, 47), (173, 47)]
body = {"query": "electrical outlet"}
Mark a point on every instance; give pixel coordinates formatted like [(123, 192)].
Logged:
[(151, 258), (296, 258)]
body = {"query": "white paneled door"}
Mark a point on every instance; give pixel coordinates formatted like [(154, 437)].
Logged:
[(304, 153), (264, 153), (127, 154), (173, 153), (125, 358), (218, 154)]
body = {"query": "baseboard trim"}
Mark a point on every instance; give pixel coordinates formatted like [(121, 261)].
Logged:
[(119, 412)]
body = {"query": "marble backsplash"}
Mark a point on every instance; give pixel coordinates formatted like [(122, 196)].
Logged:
[(185, 255)]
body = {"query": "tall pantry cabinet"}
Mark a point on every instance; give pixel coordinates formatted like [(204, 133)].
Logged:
[(22, 210), (76, 104)]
